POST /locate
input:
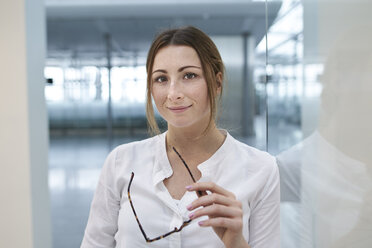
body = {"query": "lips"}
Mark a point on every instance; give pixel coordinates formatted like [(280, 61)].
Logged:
[(179, 109)]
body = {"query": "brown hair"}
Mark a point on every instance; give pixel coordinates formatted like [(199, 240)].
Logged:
[(210, 60)]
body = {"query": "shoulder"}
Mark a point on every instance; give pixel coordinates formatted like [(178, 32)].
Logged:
[(135, 152), (255, 160), (125, 158), (135, 148)]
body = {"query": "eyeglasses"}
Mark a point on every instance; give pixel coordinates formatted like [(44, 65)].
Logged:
[(176, 229)]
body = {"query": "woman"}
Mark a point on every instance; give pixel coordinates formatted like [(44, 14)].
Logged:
[(194, 185)]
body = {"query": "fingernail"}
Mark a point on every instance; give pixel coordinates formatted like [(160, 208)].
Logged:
[(191, 215), (188, 187), (201, 223), (189, 207)]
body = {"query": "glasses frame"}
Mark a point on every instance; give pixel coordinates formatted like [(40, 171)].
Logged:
[(176, 229)]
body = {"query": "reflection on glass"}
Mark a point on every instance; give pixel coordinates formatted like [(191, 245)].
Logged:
[(326, 179)]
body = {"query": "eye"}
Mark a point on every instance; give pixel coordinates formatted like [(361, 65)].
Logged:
[(190, 75), (160, 79)]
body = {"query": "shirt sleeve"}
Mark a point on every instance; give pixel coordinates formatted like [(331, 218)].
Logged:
[(265, 216), (102, 223)]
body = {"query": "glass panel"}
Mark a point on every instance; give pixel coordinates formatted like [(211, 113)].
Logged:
[(284, 86), (97, 79), (320, 122)]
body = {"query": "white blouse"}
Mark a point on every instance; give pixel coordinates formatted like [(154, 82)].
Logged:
[(252, 175)]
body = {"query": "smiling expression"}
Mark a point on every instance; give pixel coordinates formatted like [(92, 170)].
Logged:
[(179, 88)]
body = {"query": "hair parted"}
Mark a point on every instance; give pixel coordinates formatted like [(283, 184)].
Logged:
[(210, 59)]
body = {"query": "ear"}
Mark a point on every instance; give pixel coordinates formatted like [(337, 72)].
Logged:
[(219, 82)]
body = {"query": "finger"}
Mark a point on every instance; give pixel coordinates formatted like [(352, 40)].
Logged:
[(201, 193), (231, 224), (212, 187), (217, 211), (210, 199)]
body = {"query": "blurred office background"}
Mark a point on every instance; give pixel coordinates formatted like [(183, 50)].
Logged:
[(299, 85)]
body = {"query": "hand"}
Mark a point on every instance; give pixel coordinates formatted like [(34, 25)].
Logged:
[(224, 211)]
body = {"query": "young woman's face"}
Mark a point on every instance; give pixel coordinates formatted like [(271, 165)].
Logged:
[(179, 88)]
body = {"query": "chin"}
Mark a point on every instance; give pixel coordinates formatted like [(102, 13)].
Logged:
[(179, 125), (189, 124)]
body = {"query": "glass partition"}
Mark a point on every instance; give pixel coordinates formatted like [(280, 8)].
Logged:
[(96, 85), (319, 121)]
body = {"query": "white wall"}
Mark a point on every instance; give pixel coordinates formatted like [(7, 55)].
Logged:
[(24, 208)]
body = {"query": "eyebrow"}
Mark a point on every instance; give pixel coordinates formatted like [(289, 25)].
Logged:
[(179, 70)]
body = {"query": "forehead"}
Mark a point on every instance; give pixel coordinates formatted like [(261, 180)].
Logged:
[(176, 56)]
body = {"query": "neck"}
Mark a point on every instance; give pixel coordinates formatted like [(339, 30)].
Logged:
[(191, 141)]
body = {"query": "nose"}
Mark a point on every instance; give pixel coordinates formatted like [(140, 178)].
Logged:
[(175, 91)]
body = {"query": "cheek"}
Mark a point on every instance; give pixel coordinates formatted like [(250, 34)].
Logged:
[(158, 95), (203, 94), (204, 99)]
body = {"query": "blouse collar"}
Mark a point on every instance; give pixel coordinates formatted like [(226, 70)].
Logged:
[(163, 169)]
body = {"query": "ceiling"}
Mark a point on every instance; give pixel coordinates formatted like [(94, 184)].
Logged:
[(78, 28)]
